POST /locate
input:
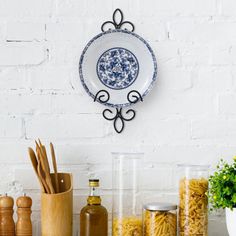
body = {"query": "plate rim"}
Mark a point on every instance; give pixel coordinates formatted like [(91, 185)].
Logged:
[(154, 76)]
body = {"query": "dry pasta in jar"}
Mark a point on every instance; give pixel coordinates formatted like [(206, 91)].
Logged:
[(159, 219), (193, 208), (127, 226)]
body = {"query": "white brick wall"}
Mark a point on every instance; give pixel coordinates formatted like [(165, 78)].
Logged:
[(189, 117)]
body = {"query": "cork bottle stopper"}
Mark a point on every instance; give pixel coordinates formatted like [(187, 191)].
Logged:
[(24, 202), (6, 202)]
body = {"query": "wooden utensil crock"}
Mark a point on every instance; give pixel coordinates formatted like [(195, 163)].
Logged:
[(56, 209)]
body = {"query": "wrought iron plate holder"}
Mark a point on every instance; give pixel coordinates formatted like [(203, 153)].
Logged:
[(103, 96)]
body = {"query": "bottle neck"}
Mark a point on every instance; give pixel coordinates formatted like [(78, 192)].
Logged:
[(94, 191), (94, 198)]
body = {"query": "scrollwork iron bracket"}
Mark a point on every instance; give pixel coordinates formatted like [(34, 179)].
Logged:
[(117, 115)]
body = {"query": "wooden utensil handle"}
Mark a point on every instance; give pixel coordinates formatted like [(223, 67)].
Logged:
[(40, 172), (34, 162), (47, 174), (54, 166)]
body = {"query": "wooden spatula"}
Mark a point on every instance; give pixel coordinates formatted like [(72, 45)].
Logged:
[(45, 156), (54, 162), (41, 173), (45, 170), (34, 162)]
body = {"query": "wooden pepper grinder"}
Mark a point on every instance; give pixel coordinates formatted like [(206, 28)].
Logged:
[(24, 224), (7, 225)]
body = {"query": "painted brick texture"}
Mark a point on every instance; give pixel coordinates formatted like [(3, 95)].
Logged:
[(189, 117)]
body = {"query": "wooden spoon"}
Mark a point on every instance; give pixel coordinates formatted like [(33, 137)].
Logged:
[(47, 174), (34, 162), (54, 162)]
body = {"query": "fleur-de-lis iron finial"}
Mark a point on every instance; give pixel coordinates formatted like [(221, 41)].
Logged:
[(118, 22)]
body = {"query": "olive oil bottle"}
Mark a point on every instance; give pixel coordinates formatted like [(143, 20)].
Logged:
[(93, 217)]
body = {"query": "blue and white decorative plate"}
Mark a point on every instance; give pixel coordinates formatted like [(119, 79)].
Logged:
[(117, 61)]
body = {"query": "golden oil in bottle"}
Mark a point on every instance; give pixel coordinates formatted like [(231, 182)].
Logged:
[(93, 217)]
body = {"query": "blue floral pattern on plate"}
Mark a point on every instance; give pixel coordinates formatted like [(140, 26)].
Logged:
[(117, 68)]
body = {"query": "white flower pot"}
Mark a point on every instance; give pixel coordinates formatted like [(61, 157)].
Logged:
[(230, 221)]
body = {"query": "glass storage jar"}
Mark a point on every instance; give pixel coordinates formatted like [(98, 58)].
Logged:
[(193, 201), (159, 219), (127, 205)]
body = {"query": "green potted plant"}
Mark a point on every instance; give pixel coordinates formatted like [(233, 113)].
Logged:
[(222, 192)]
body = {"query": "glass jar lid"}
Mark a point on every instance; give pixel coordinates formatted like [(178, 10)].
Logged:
[(160, 206), (196, 167)]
